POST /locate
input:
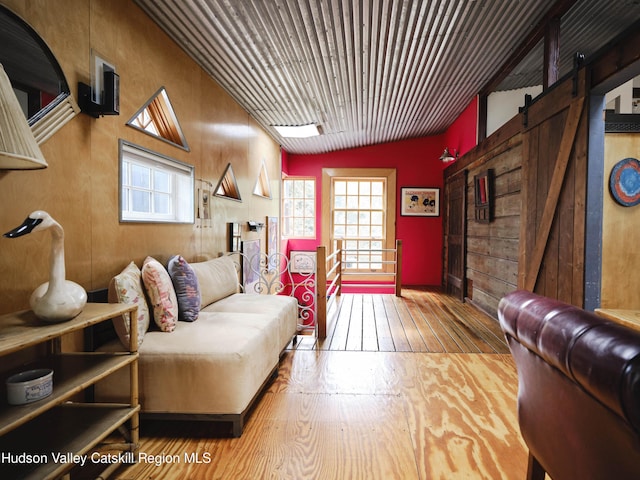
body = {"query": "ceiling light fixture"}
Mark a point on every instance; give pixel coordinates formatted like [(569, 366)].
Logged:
[(298, 131), (447, 156)]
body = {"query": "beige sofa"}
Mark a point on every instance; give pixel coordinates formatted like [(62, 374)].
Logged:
[(212, 368)]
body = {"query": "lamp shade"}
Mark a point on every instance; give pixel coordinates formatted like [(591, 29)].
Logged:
[(18, 147)]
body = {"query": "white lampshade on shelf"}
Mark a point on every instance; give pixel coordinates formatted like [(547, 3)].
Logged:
[(18, 147)]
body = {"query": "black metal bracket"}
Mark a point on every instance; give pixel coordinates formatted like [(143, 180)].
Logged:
[(87, 105), (525, 110), (578, 62)]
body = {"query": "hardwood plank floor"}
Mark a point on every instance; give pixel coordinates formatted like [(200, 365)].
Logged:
[(358, 415), (406, 409), (422, 320)]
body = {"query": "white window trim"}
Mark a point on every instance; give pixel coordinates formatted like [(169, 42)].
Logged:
[(315, 210), (183, 187), (371, 239), (390, 218)]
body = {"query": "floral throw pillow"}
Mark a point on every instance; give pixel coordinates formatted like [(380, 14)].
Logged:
[(162, 296), (126, 287), (186, 286)]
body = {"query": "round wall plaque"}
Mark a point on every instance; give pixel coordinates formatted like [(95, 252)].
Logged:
[(624, 182)]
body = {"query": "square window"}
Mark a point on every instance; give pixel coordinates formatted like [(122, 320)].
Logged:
[(358, 218), (154, 188), (298, 207)]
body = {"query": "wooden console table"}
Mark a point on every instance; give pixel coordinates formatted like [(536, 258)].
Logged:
[(628, 318), (47, 438)]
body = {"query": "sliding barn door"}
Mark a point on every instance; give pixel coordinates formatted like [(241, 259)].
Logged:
[(455, 232), (554, 179)]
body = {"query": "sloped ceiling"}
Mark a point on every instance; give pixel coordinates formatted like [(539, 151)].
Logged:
[(372, 71)]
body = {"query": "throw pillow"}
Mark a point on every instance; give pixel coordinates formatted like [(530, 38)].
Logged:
[(186, 286), (162, 296), (126, 287), (217, 278)]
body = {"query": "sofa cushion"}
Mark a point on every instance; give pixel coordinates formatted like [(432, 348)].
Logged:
[(162, 296), (217, 278), (281, 307), (126, 287), (212, 366), (186, 287)]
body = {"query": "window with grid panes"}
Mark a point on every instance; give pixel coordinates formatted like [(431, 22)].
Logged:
[(153, 187), (299, 208), (359, 220)]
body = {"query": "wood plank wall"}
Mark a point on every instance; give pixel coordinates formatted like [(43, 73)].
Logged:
[(526, 154), (552, 238), (492, 248), (455, 232), (523, 156), (80, 186)]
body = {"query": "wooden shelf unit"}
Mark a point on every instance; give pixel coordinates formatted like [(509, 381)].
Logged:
[(58, 424)]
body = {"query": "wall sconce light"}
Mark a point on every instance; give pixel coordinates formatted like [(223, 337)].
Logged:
[(18, 147), (447, 156), (255, 226), (110, 96)]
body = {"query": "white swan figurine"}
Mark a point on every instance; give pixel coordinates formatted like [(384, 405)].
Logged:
[(58, 299)]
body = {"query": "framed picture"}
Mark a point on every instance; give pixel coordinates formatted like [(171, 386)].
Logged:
[(204, 212), (250, 265), (272, 241), (483, 196), (302, 261), (420, 202), (272, 235)]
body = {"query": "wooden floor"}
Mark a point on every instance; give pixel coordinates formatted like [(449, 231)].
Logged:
[(345, 414), (422, 320)]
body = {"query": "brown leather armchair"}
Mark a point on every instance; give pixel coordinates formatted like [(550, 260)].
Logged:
[(578, 389)]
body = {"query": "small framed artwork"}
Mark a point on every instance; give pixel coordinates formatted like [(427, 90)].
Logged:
[(420, 202), (250, 265), (205, 213), (272, 235), (272, 241), (301, 261), (483, 195)]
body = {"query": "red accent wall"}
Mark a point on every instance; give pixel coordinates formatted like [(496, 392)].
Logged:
[(284, 157), (462, 135), (417, 165)]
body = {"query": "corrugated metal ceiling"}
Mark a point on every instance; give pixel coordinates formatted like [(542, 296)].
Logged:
[(371, 71)]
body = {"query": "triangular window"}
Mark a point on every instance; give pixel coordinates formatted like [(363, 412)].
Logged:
[(158, 119), (262, 188), (228, 186)]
